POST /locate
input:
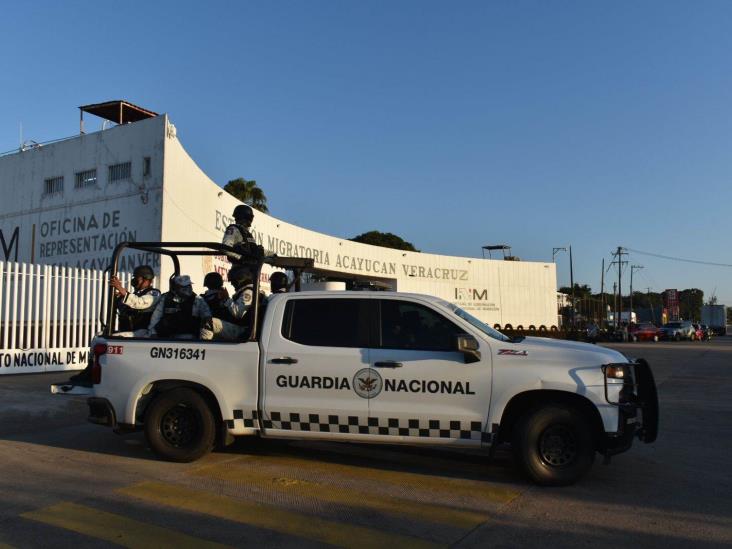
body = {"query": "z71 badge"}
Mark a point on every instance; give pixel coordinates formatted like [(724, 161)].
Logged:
[(512, 352)]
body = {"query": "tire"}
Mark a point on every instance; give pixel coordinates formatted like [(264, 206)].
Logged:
[(554, 445), (180, 426), (692, 337), (677, 336)]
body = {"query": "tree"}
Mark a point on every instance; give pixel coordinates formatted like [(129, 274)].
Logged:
[(248, 192), (690, 303), (385, 240)]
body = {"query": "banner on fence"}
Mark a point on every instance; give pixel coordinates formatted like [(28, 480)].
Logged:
[(35, 361)]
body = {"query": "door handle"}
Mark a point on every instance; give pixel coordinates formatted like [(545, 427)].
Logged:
[(388, 364), (284, 360)]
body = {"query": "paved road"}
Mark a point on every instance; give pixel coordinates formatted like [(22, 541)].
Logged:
[(66, 482)]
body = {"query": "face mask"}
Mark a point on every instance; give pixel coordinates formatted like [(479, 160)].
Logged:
[(184, 291)]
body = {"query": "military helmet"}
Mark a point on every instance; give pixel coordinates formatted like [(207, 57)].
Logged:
[(213, 281), (278, 281), (240, 275), (143, 271), (243, 213)]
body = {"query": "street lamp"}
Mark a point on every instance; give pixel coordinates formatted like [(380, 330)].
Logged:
[(555, 251)]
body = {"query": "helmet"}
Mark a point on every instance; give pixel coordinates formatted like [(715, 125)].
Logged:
[(240, 275), (213, 281), (244, 214), (143, 271), (181, 286), (278, 281)]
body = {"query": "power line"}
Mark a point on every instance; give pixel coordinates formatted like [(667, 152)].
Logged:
[(672, 258)]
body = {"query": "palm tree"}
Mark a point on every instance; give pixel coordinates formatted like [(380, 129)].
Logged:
[(248, 192)]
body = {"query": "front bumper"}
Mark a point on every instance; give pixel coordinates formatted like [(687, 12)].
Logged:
[(637, 408)]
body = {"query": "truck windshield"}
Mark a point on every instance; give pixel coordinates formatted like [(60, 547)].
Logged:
[(482, 326)]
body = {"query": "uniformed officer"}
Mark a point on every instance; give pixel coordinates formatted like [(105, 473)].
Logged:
[(278, 282), (135, 308), (239, 237), (235, 323), (180, 313), (215, 294), (134, 311)]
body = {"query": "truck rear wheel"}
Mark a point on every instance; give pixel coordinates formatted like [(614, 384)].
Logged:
[(180, 426), (554, 445)]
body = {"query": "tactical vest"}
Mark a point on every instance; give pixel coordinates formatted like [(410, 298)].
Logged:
[(178, 316), (134, 319), (216, 304), (248, 247)]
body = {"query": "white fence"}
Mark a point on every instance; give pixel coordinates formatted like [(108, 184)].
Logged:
[(48, 315)]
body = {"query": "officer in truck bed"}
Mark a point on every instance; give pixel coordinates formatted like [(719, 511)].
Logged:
[(180, 313), (234, 322), (239, 237)]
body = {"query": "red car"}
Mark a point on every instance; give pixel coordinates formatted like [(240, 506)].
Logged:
[(644, 332)]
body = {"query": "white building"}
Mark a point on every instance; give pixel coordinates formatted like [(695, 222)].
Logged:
[(70, 202)]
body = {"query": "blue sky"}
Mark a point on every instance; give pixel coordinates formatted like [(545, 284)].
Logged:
[(452, 124)]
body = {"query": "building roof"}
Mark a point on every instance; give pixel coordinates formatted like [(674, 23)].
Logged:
[(119, 111)]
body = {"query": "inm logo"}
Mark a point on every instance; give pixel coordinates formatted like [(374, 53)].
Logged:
[(471, 293)]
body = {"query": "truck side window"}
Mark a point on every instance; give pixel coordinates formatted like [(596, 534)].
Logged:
[(406, 325), (327, 322)]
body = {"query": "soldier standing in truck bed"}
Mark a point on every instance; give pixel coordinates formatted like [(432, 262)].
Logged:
[(239, 237)]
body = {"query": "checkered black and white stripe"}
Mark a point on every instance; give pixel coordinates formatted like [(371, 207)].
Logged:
[(432, 428)]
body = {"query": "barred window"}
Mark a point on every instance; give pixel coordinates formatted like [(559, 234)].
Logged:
[(120, 172), (53, 185), (85, 179)]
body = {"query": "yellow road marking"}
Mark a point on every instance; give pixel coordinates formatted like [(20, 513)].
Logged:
[(5, 546), (114, 528), (430, 485), (442, 514), (269, 517)]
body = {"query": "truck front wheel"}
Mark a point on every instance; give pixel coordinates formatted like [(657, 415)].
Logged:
[(553, 445), (180, 426)]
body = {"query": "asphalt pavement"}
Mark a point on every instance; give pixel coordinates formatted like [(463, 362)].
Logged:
[(66, 482)]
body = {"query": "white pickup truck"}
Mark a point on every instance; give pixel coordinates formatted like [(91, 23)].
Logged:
[(375, 367)]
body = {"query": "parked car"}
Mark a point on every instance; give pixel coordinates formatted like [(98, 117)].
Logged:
[(644, 331), (678, 330)]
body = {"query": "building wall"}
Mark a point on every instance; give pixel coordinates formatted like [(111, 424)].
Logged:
[(519, 292), (178, 202), (80, 227)]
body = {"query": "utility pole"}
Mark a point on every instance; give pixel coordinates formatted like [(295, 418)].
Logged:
[(632, 269), (653, 316), (615, 303), (602, 293), (619, 261), (571, 283)]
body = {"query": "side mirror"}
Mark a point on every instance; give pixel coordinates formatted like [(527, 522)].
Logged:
[(468, 345)]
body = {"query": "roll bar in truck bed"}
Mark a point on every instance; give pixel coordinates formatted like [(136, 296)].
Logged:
[(297, 265)]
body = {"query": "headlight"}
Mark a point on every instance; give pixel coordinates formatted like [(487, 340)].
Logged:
[(616, 371)]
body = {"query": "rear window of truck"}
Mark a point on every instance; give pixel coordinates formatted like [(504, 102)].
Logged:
[(327, 322)]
